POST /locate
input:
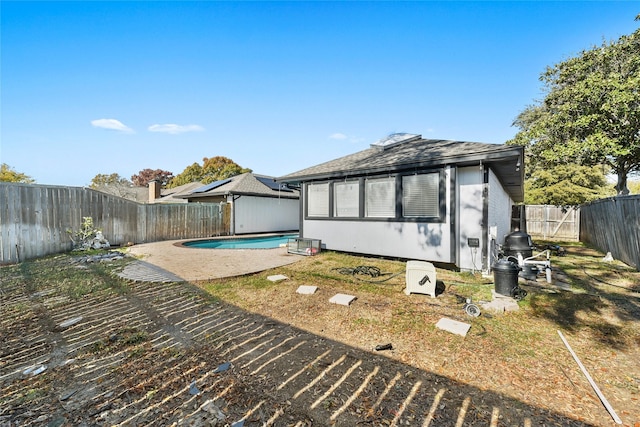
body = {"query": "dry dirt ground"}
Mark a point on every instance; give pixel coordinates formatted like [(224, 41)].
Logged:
[(141, 353)]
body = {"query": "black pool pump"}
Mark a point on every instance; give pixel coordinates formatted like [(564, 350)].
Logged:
[(505, 277)]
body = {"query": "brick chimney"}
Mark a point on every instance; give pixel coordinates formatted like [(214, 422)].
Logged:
[(154, 191)]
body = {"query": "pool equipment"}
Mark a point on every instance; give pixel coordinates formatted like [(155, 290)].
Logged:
[(519, 248)]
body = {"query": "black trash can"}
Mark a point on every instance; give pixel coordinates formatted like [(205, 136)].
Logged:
[(505, 276)]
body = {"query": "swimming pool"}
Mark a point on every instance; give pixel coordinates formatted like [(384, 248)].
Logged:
[(262, 242)]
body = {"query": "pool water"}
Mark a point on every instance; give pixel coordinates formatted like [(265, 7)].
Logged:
[(266, 242)]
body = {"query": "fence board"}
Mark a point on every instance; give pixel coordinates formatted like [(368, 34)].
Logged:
[(553, 222), (34, 219), (613, 225)]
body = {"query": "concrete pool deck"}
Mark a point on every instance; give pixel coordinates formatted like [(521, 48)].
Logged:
[(194, 265)]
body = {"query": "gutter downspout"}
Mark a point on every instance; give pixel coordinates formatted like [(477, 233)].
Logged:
[(485, 218), (233, 212), (454, 228)]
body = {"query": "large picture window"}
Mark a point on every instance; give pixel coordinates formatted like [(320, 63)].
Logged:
[(318, 200), (421, 196), (380, 198), (346, 199)]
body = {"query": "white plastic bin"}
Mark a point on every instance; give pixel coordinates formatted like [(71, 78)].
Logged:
[(421, 278)]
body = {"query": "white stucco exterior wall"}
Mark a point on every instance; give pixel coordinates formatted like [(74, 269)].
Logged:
[(431, 241), (410, 240), (469, 217), (265, 214), (500, 205)]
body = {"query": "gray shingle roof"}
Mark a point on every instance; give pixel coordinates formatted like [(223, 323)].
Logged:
[(244, 184), (421, 153), (174, 195)]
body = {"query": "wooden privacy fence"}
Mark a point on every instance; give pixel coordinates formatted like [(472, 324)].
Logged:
[(553, 222), (34, 219), (613, 225)]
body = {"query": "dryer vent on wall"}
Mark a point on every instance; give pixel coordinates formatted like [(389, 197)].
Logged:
[(421, 278)]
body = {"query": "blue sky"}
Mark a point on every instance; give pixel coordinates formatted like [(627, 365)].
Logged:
[(93, 88)]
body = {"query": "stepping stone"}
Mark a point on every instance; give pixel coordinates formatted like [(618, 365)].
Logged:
[(501, 304), (307, 290), (342, 299), (453, 326), (277, 278)]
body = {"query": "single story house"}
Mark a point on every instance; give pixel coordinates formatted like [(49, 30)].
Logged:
[(447, 202), (258, 203)]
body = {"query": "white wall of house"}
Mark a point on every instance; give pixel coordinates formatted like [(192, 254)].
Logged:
[(410, 240), (431, 241), (420, 241), (500, 205), (265, 214), (469, 217)]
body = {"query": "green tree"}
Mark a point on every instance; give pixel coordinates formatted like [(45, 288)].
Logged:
[(566, 185), (109, 180), (8, 174), (142, 178), (191, 173), (220, 167), (591, 112), (212, 169)]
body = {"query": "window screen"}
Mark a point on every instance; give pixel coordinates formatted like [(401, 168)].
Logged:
[(380, 198), (318, 200), (346, 199), (421, 195)]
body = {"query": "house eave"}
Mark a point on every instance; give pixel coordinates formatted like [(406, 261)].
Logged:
[(229, 193), (507, 164)]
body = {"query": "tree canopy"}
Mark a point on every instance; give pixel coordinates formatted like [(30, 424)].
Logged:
[(142, 178), (109, 180), (212, 169), (8, 174), (566, 185), (590, 114)]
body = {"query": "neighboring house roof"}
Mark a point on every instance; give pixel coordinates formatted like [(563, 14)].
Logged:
[(406, 152), (248, 184), (173, 195), (133, 193)]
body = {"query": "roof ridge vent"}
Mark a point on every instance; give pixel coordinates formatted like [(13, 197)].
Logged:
[(395, 139)]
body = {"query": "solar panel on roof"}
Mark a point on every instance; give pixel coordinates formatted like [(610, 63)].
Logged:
[(211, 186), (269, 182)]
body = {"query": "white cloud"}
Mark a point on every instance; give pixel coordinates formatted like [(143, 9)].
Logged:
[(111, 124), (338, 136), (174, 129)]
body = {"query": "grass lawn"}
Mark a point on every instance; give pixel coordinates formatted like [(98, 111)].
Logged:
[(517, 353), (120, 368)]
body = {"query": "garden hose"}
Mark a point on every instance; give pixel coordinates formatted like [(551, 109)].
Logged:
[(365, 270)]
